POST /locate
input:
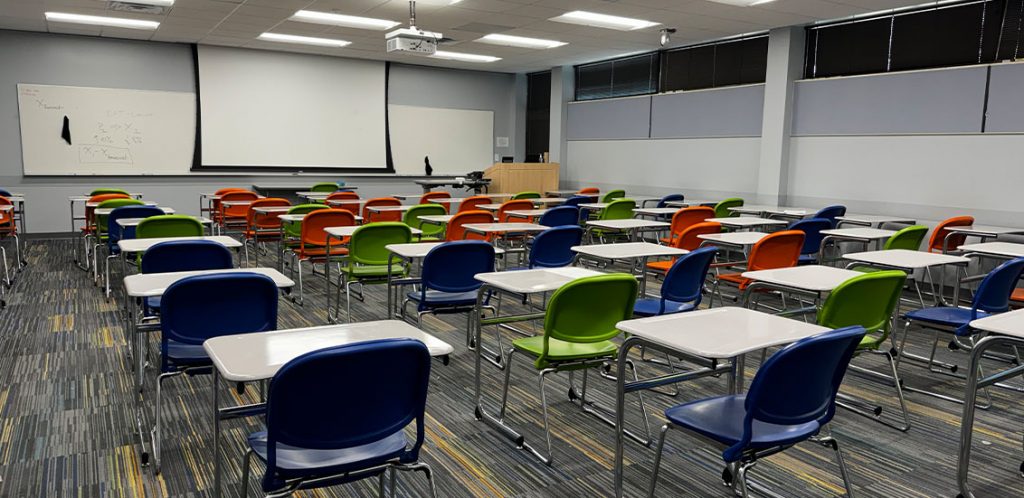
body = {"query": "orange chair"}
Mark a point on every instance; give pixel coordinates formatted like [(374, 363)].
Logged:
[(935, 243), (776, 250), (473, 203), (1017, 297), (313, 239), (371, 217), (688, 240), (261, 227), (686, 218), (9, 229), (516, 205), (215, 205), (344, 195), (455, 230), (235, 216), (589, 191), (437, 198), (89, 228)]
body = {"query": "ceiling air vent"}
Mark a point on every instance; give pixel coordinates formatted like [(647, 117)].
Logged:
[(139, 8)]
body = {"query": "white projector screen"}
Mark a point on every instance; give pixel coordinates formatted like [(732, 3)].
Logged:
[(274, 109)]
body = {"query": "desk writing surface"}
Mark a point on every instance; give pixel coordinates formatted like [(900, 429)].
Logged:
[(1007, 249), (1010, 323), (745, 221), (810, 277), (533, 281), (107, 211), (349, 230), (420, 249), (734, 238), (504, 227), (903, 258), (437, 218), (875, 218), (860, 233), (526, 213), (155, 284), (143, 245), (628, 250), (627, 224), (134, 222), (983, 231), (665, 211)]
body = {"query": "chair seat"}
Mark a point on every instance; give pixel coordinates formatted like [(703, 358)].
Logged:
[(956, 318), (721, 419), (295, 461), (651, 306), (667, 240), (735, 278), (181, 353), (807, 259), (565, 351), (442, 299), (662, 266), (372, 271), (153, 302), (1018, 295), (305, 252), (263, 233)]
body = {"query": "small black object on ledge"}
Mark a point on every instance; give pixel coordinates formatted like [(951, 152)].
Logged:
[(429, 170)]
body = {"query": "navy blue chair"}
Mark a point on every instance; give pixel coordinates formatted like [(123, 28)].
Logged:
[(683, 286), (811, 227), (560, 216), (202, 307), (338, 415), (448, 283), (4, 192), (115, 232), (830, 213), (663, 203), (552, 248), (576, 200), (183, 255), (773, 416)]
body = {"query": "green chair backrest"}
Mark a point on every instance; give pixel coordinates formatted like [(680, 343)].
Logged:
[(101, 191), (618, 209), (367, 245), (324, 187), (293, 229), (101, 220), (587, 309), (412, 218), (529, 194), (867, 300), (169, 225), (909, 238), (722, 208), (611, 195)]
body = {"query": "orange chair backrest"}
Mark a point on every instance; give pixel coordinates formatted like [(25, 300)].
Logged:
[(237, 211), (455, 230), (7, 216), (344, 194), (517, 205), (688, 217), (229, 189), (434, 197), (314, 223), (939, 234), (98, 199), (689, 238), (370, 217), (589, 191), (776, 250), (265, 220), (473, 203)]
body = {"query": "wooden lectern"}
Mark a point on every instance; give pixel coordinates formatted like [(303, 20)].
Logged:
[(519, 177)]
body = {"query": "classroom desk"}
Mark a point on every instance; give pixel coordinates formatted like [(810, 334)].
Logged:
[(390, 209), (563, 193), (528, 214), (292, 218), (746, 222), (475, 185), (490, 207), (409, 253), (630, 251), (107, 211), (596, 206), (910, 261), (1007, 330), (632, 227), (345, 202), (656, 212), (548, 200), (258, 356), (84, 199), (503, 229), (690, 202), (437, 219), (811, 280), (981, 232), (291, 188), (1001, 250), (134, 222), (133, 246), (768, 211), (20, 218), (737, 240), (871, 220), (864, 235)]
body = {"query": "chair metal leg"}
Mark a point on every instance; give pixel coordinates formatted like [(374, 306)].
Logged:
[(419, 467), (657, 461), (741, 477), (876, 413), (381, 492), (504, 389), (832, 443), (544, 412), (158, 428), (298, 265), (246, 463)]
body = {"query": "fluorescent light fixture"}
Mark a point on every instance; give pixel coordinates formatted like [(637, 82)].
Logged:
[(603, 20), (117, 22), (519, 41), (743, 3), (459, 56), (343, 20), (158, 3), (304, 40)]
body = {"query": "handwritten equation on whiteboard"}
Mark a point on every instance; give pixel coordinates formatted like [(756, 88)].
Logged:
[(103, 154)]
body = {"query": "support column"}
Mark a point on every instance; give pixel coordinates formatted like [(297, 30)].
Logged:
[(562, 92), (785, 66)]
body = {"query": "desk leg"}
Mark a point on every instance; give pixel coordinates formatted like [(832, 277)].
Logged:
[(738, 371), (620, 411), (643, 276), (391, 302), (327, 275), (216, 434)]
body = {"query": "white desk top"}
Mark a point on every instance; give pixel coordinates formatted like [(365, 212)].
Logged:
[(594, 205), (143, 245), (720, 332), (134, 222), (340, 202), (386, 209), (690, 202), (16, 198), (7, 207), (549, 200), (94, 204), (860, 233), (271, 209), (734, 238), (347, 231), (107, 211), (665, 211), (628, 250), (811, 277), (753, 208), (155, 284), (442, 219), (983, 231), (903, 258), (745, 221), (294, 218), (526, 213), (875, 218), (236, 203), (503, 227), (406, 197), (420, 249), (561, 192), (314, 195), (84, 198), (533, 281), (1007, 249), (628, 224), (489, 207), (1010, 323)]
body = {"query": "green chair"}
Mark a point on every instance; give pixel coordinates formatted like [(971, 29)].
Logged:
[(324, 187), (579, 326), (292, 229), (529, 194), (869, 301), (101, 227), (169, 225), (101, 191), (611, 195), (431, 231), (368, 256), (618, 209), (909, 238), (722, 208)]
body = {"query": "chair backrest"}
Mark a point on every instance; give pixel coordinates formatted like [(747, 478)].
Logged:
[(311, 398), (436, 197), (186, 255), (817, 364), (169, 225), (313, 224), (776, 250), (107, 190), (938, 238), (867, 301), (993, 295), (115, 232), (7, 216), (722, 208), (292, 229), (4, 192), (324, 187), (668, 198), (367, 245), (811, 227), (690, 238), (576, 200), (830, 213), (236, 211), (588, 191), (473, 203), (552, 248), (513, 205), (611, 195), (265, 220), (225, 190), (684, 281), (586, 310), (370, 217), (618, 209), (909, 238), (451, 266), (412, 218), (560, 216), (455, 230), (102, 224), (529, 194), (342, 195), (201, 307), (687, 217), (98, 199)]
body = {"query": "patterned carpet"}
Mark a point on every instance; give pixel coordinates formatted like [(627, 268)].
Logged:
[(66, 419)]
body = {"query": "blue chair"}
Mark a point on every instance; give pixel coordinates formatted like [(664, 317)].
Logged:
[(338, 415), (773, 416), (448, 283), (830, 213), (811, 227), (4, 192), (115, 232), (663, 203), (202, 307), (186, 255), (552, 248), (560, 216), (576, 200), (683, 286)]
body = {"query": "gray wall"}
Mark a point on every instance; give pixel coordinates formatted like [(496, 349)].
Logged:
[(43, 58)]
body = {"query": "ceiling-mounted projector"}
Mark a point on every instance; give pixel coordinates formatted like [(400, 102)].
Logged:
[(412, 39)]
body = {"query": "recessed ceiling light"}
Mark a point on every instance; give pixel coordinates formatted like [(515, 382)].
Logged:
[(519, 41), (603, 20), (343, 20), (118, 22), (305, 40), (159, 3), (742, 3), (458, 56)]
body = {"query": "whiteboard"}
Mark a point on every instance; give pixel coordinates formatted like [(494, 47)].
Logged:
[(456, 140), (112, 131)]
